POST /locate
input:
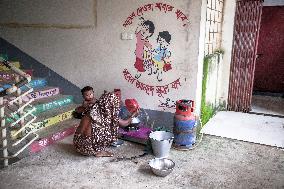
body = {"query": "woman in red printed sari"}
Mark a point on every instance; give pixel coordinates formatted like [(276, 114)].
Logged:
[(99, 129)]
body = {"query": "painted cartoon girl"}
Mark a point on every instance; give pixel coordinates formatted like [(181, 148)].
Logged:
[(144, 30), (161, 54)]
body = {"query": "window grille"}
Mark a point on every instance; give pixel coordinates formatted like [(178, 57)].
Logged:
[(213, 33)]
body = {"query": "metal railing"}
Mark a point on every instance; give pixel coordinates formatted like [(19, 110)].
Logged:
[(17, 113)]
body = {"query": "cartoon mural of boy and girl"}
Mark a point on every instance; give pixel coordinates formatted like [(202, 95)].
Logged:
[(156, 60)]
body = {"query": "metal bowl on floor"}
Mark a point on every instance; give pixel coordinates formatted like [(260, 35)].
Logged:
[(161, 166)]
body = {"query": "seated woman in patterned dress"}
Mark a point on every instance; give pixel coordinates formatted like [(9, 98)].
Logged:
[(99, 129)]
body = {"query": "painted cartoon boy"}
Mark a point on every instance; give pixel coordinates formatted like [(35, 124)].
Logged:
[(162, 54), (144, 30)]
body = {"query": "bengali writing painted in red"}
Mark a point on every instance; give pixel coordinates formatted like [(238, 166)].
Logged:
[(162, 7), (149, 89)]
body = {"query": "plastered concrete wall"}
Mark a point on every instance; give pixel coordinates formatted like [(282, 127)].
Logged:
[(227, 42), (219, 66), (98, 56), (51, 12), (200, 57), (214, 81)]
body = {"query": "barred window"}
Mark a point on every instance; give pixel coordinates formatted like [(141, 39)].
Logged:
[(213, 32)]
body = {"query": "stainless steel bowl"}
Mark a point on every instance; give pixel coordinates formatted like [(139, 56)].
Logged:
[(161, 166)]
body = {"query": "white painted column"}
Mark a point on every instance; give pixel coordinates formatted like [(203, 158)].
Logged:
[(227, 43), (200, 58)]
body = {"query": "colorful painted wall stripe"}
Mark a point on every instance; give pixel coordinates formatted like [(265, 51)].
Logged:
[(47, 122), (40, 144), (9, 75), (40, 108), (53, 104), (10, 120), (50, 121), (41, 94), (4, 68), (37, 83)]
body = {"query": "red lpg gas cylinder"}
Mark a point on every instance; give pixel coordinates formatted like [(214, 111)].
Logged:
[(184, 110), (184, 125), (131, 105)]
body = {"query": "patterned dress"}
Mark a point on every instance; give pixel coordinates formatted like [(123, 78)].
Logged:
[(104, 126)]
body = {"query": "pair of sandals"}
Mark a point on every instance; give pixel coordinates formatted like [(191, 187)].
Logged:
[(104, 154)]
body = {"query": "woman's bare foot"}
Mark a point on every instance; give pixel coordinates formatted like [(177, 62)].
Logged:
[(104, 154)]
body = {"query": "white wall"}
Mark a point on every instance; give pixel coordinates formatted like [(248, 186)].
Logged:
[(219, 67), (51, 12), (214, 81), (97, 56), (201, 57), (227, 42)]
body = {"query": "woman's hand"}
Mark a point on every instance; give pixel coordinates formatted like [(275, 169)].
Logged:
[(124, 123), (135, 114)]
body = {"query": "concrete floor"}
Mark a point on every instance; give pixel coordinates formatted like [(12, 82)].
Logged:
[(214, 163), (268, 104), (260, 129)]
